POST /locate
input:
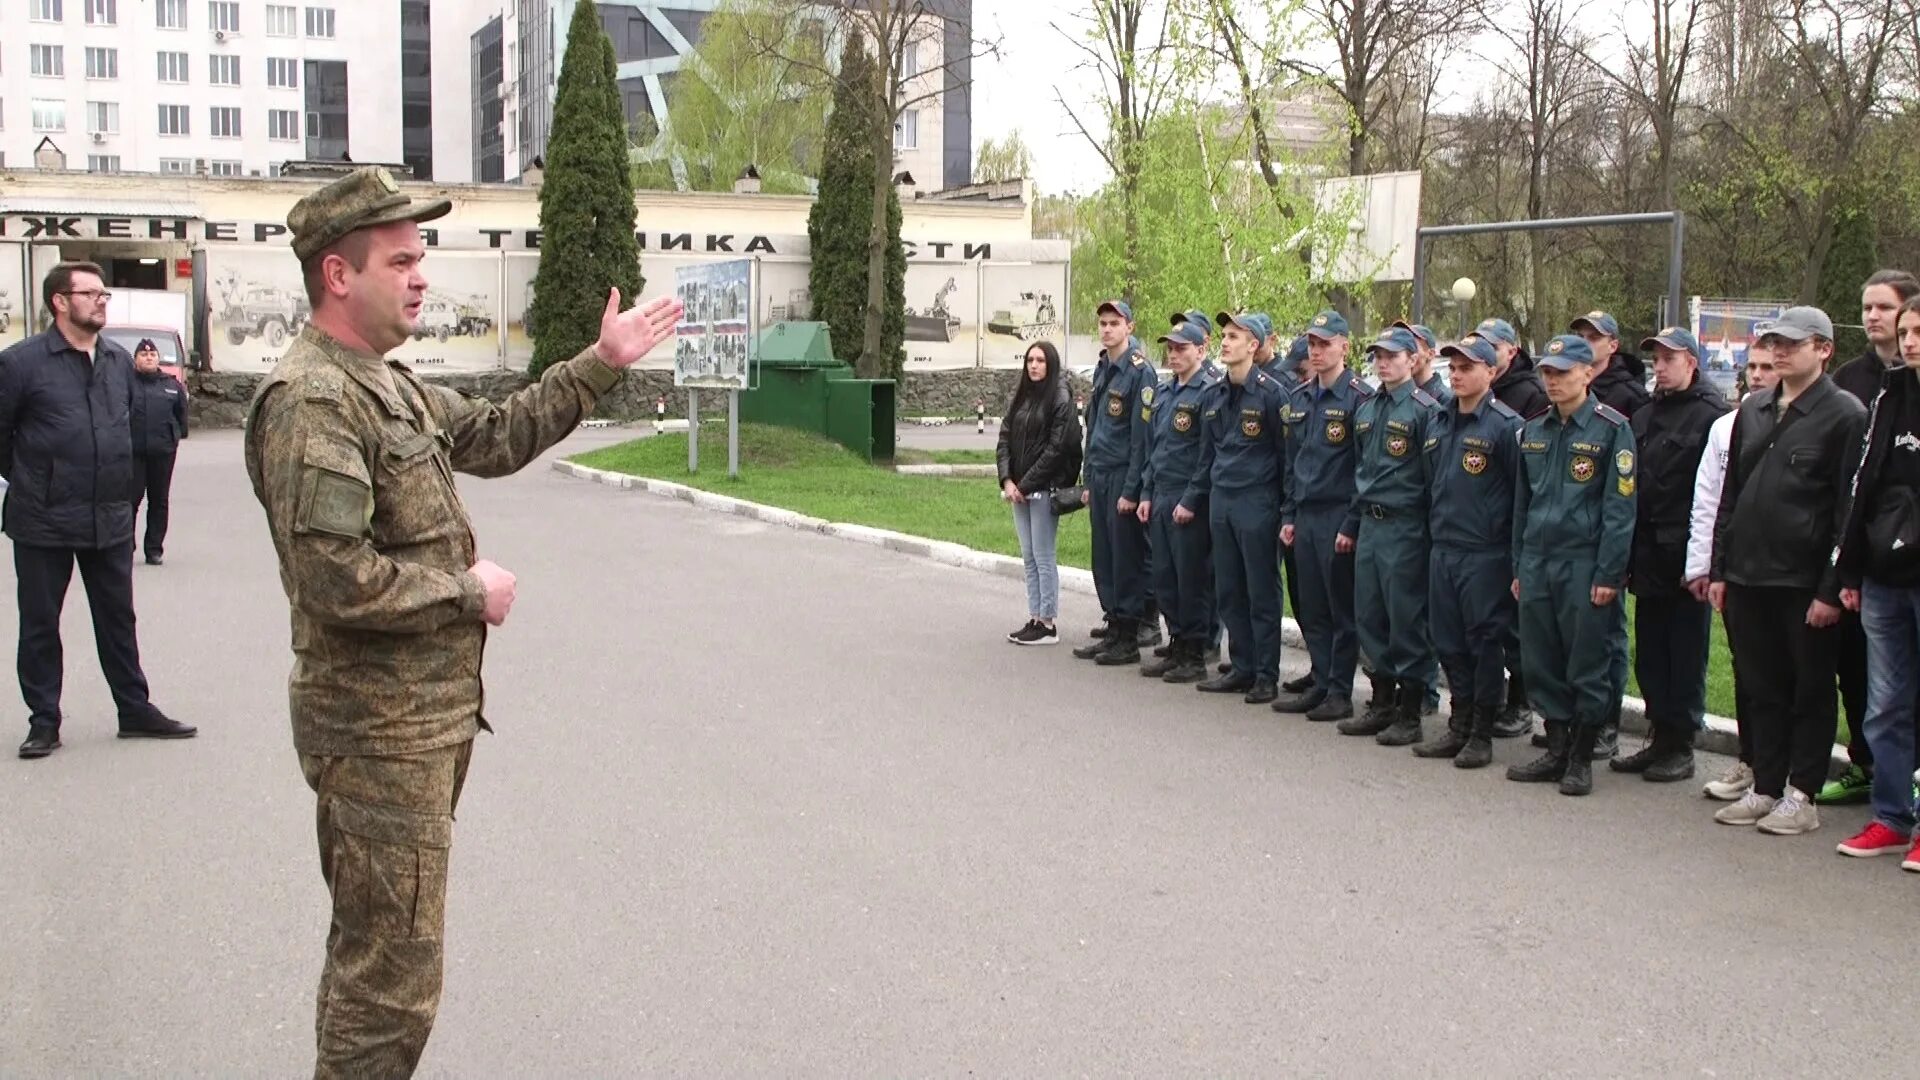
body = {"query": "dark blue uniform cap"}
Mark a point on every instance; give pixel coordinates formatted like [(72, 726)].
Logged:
[(1674, 337), (1297, 352), (1264, 323), (1328, 325), (1186, 332), (1473, 347), (1598, 320), (1118, 307), (1423, 333), (1193, 315), (1246, 320), (1565, 351), (1394, 339), (1499, 330)]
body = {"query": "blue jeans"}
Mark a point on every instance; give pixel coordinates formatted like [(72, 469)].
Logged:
[(1039, 532), (1891, 618)]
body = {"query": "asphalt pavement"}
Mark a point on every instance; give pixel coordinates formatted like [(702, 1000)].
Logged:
[(763, 802)]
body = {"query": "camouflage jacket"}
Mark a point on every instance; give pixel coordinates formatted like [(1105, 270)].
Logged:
[(353, 458)]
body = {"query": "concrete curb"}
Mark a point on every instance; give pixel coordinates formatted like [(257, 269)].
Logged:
[(1721, 735)]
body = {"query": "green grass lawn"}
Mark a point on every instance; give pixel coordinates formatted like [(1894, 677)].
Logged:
[(911, 456), (807, 474)]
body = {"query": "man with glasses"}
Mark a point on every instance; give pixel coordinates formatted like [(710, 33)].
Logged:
[(66, 450)]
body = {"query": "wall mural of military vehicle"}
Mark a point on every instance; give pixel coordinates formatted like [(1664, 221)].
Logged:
[(262, 311), (938, 323), (1031, 315), (445, 315)]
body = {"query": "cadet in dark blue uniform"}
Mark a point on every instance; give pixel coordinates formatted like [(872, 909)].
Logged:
[(1387, 527), (1116, 455), (1182, 569), (1321, 452), (1473, 456), (1426, 361), (1239, 482), (1573, 518)]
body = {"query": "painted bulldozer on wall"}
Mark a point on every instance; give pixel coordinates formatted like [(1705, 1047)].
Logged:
[(938, 323)]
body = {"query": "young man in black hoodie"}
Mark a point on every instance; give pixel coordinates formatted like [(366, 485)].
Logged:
[(1880, 301), (1879, 567), (1671, 628)]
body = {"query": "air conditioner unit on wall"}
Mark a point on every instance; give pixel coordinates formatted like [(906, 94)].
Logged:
[(219, 35), (99, 136)]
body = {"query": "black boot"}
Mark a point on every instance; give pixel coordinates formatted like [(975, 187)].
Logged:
[(1549, 766), (1641, 760), (1478, 753), (1164, 651), (1514, 720), (1299, 701), (1300, 685), (1190, 665), (1146, 633), (1454, 740), (1122, 647), (1380, 712), (1262, 692), (1099, 633), (1578, 777), (1231, 682), (1170, 658), (1606, 739), (1405, 729)]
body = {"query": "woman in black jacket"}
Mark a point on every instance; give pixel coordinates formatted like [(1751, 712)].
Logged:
[(1039, 452)]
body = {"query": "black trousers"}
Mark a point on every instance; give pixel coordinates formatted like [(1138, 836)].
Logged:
[(1787, 671), (1671, 634), (107, 573), (152, 479)]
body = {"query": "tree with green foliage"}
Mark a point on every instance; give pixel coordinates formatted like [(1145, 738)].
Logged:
[(586, 201), (838, 226), (1851, 260), (1000, 160)]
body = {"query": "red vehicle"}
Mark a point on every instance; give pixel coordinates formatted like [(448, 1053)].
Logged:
[(173, 351)]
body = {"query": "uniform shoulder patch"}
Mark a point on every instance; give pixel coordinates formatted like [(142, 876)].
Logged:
[(1424, 398), (1359, 385), (1500, 408), (1608, 413)]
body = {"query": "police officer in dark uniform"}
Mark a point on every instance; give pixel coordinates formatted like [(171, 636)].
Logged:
[(1426, 371), (1239, 482), (1572, 535), (1671, 629), (1473, 455), (1182, 567), (1116, 420), (1321, 453), (1517, 386), (1387, 531)]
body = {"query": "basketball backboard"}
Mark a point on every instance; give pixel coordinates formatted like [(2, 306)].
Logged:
[(1383, 216)]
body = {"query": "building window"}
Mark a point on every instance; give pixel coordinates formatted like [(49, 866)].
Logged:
[(226, 121), (283, 20), (103, 117), (283, 74), (103, 163), (223, 70), (170, 14), (176, 166), (319, 22), (283, 124), (45, 11), (173, 67), (49, 115), (103, 63), (226, 168), (224, 15), (910, 60), (173, 120), (906, 130), (48, 61), (103, 13)]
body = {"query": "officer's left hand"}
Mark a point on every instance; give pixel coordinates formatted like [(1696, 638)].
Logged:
[(1145, 511), (1850, 599), (1602, 596), (1126, 505), (626, 336), (1821, 614), (1342, 544)]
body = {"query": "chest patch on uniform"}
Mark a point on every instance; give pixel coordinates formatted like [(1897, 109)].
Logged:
[(1534, 447), (1363, 426), (1474, 461), (1146, 395), (1580, 468), (1592, 449), (1476, 442), (1397, 425), (1397, 445), (1116, 403), (1250, 425), (1183, 419), (1336, 431), (1623, 463), (1336, 414)]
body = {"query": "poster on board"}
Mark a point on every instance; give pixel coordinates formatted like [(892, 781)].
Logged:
[(710, 342)]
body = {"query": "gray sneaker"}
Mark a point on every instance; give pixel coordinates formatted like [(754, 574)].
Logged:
[(1748, 811), (1737, 782), (1792, 815)]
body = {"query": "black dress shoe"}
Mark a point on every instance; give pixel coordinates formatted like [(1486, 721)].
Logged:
[(1334, 708), (153, 560), (157, 727), (1264, 690), (1299, 701), (1226, 684), (1300, 685), (42, 739)]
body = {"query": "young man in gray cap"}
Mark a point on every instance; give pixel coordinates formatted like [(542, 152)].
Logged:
[(353, 457), (1781, 518)]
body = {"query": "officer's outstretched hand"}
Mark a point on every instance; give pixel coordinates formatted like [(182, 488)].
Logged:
[(1602, 596), (1342, 544), (626, 336)]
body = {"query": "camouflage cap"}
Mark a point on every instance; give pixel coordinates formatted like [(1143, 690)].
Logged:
[(363, 198)]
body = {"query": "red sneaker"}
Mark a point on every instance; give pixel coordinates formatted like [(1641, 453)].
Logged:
[(1912, 861), (1877, 839)]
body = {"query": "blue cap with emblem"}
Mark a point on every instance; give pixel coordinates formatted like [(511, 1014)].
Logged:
[(1565, 351), (1674, 337), (1245, 320), (1598, 321), (1472, 347), (1263, 324), (1297, 352), (1118, 307), (1499, 330), (1186, 333), (1394, 339), (1194, 315), (1328, 325), (1423, 333)]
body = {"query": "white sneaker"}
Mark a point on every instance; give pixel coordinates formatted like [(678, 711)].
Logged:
[(1792, 815), (1737, 782), (1748, 811)]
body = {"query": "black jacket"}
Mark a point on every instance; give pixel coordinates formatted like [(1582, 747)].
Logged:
[(1623, 385), (1671, 434), (1040, 443), (1784, 504), (1520, 389), (66, 448), (1862, 376), (159, 413), (1882, 535)]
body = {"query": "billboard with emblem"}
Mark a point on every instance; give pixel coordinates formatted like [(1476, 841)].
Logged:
[(1726, 329)]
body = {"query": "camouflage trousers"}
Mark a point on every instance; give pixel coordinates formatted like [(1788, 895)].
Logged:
[(385, 827)]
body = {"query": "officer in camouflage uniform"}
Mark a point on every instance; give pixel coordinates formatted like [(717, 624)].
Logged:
[(353, 458)]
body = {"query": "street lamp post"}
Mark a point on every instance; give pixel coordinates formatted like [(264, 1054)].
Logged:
[(1464, 290)]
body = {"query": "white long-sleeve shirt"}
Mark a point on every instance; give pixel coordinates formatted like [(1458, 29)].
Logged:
[(1708, 481)]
